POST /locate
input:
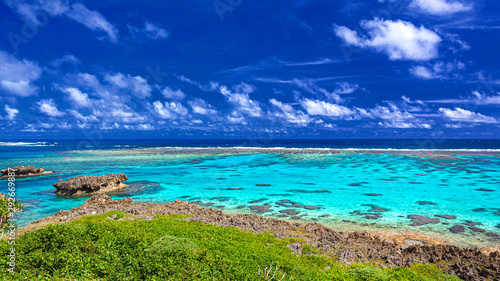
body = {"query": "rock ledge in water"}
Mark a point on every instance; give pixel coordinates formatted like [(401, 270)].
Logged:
[(88, 185), (22, 171)]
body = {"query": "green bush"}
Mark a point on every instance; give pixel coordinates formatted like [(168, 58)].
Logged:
[(166, 248), (6, 207)]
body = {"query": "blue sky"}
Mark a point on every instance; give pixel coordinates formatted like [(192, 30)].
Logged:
[(250, 69)]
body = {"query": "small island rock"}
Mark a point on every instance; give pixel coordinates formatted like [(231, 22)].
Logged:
[(22, 171), (88, 185)]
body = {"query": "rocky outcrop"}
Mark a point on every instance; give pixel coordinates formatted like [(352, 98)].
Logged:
[(22, 172), (354, 247), (88, 185)]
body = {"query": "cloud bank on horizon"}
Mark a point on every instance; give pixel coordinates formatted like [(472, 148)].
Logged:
[(239, 69)]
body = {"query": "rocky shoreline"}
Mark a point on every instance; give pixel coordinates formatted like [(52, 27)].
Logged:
[(22, 172), (353, 247), (89, 185)]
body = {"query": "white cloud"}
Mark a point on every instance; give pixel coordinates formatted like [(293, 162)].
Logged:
[(483, 99), (309, 85), (211, 86), (149, 30), (236, 118), (49, 107), (322, 108), (171, 94), (79, 116), (79, 99), (289, 114), (463, 115), (404, 125), (145, 127), (169, 110), (441, 7), (137, 85), (423, 72), (17, 76), (199, 106), (400, 40), (93, 20), (458, 126), (122, 113), (239, 98), (11, 112), (439, 70)]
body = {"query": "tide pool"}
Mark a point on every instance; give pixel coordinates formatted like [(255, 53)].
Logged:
[(345, 189)]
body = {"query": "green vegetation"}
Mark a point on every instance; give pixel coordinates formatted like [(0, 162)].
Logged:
[(170, 248), (7, 206)]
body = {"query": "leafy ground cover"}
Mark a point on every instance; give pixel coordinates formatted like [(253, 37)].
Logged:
[(170, 248)]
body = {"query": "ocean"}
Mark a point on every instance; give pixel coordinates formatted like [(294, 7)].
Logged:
[(423, 186)]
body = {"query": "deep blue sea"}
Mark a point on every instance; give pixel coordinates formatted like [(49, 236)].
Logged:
[(344, 184)]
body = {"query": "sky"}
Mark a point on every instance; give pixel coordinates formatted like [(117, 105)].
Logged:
[(293, 69)]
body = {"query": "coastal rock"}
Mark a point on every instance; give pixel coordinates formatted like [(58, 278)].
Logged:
[(485, 189), (290, 212), (261, 208), (425, 203), (419, 220), (477, 229), (88, 185), (308, 191), (376, 208), (296, 248), (22, 172), (448, 217), (457, 228), (470, 264), (472, 223)]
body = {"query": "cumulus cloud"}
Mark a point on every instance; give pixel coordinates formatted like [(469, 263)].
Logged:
[(11, 112), (309, 85), (463, 115), (80, 117), (239, 97), (137, 85), (79, 99), (169, 110), (289, 114), (392, 113), (441, 7), (483, 99), (49, 108), (476, 98), (211, 86), (149, 30), (322, 108), (168, 93), (439, 70), (93, 20), (17, 76), (199, 106), (400, 40), (404, 125)]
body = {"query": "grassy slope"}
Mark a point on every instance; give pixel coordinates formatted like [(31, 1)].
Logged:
[(171, 248)]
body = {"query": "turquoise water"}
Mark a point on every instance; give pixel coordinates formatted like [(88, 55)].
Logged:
[(323, 185)]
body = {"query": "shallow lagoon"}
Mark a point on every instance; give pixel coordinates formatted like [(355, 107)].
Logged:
[(343, 189)]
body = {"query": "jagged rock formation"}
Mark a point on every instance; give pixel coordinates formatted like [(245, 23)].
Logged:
[(88, 185), (354, 247), (22, 171)]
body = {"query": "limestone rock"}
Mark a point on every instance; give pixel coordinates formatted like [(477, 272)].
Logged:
[(22, 171), (88, 185)]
